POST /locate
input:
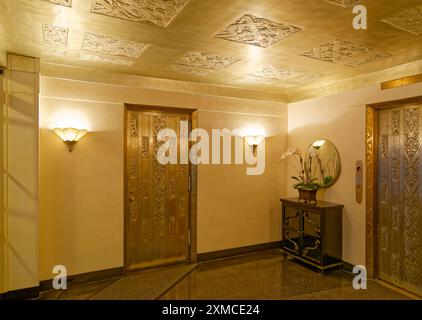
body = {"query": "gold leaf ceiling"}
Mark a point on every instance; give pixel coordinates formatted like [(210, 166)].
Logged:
[(271, 46)]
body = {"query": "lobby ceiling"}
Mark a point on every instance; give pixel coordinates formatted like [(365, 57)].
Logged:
[(264, 45)]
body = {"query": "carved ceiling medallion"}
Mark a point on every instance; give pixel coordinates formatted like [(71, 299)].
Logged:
[(345, 52), (257, 31), (66, 3), (373, 56), (183, 69), (344, 3), (277, 73), (109, 45), (206, 60), (409, 20), (103, 59), (55, 36), (158, 12), (289, 75)]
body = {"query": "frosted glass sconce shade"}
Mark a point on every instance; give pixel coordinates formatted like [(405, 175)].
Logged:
[(70, 136)]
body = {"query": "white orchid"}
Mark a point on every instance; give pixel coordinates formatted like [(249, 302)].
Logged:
[(289, 153), (305, 178)]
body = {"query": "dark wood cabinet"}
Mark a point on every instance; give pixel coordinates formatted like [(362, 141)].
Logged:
[(312, 233)]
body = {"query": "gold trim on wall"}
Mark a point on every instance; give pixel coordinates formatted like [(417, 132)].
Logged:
[(371, 185), (401, 82)]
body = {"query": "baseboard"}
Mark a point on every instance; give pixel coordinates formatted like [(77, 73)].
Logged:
[(237, 251), (22, 294), (93, 276), (348, 266)]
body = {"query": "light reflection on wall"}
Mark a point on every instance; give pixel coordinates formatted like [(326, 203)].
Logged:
[(65, 119), (253, 131)]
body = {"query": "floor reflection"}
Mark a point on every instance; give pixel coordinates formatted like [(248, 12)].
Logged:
[(268, 275), (263, 275)]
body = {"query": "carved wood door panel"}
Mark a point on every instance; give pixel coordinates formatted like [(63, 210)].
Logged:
[(400, 197), (157, 218)]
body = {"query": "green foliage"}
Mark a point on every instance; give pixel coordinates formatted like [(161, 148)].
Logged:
[(327, 181), (306, 186)]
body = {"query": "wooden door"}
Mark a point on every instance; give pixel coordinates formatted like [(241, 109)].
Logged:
[(157, 219), (400, 197)]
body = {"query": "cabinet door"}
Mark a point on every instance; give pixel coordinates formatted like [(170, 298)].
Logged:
[(291, 218), (292, 241), (312, 241), (311, 222)]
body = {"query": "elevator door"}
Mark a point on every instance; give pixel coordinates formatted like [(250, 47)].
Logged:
[(400, 197), (157, 219)]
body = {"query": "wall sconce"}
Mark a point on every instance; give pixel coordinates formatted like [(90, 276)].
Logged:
[(70, 136), (318, 144), (254, 141)]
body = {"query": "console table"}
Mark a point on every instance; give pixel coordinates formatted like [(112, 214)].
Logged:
[(312, 233)]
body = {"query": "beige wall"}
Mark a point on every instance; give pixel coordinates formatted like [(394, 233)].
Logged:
[(341, 119), (81, 197), (21, 220), (81, 192), (234, 209)]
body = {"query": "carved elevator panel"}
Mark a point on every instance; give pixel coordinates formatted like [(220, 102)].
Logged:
[(158, 198), (400, 197)]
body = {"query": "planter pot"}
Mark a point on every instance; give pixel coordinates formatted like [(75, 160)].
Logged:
[(308, 196)]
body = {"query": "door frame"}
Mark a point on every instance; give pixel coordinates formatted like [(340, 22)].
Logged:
[(193, 170), (372, 139)]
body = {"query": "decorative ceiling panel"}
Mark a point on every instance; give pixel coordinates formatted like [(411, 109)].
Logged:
[(373, 56), (344, 3), (183, 69), (109, 45), (66, 3), (337, 51), (409, 20), (254, 27), (158, 12), (285, 74), (276, 73), (55, 36), (206, 60), (257, 31), (103, 59)]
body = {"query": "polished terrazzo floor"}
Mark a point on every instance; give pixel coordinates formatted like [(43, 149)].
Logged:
[(263, 275)]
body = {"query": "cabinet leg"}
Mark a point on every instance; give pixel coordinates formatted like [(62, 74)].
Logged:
[(322, 273)]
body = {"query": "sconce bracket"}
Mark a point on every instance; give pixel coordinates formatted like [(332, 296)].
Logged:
[(70, 145)]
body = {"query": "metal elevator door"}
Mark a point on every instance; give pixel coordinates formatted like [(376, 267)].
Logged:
[(157, 218), (400, 197)]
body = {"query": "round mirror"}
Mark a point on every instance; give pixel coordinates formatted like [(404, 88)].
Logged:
[(324, 161)]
